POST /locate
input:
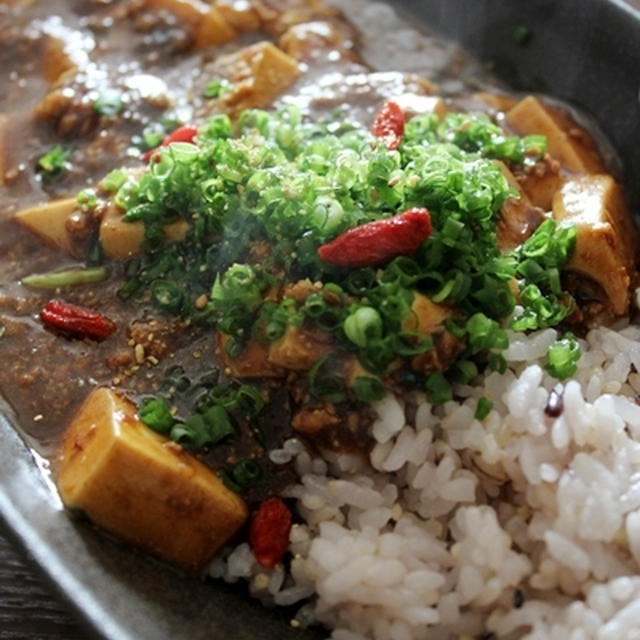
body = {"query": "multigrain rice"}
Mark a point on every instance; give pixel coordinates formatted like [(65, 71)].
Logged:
[(523, 525)]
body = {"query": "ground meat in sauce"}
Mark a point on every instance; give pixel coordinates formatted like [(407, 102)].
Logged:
[(56, 63), (147, 57)]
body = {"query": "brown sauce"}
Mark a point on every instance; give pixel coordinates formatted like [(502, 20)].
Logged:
[(146, 57), (55, 59)]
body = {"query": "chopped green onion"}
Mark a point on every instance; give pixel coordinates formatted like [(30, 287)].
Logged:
[(248, 401), (368, 389), (563, 356), (483, 408), (363, 325), (484, 333), (216, 88), (535, 145), (229, 482), (54, 163), (324, 384), (108, 103), (155, 413), (217, 127), (113, 180), (464, 371), (87, 199), (327, 214), (261, 196), (497, 363), (68, 277), (194, 431), (153, 135), (219, 424), (438, 389), (245, 473), (167, 295)]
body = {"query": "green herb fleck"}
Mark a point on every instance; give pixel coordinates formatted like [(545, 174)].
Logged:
[(54, 163), (216, 88), (155, 413), (368, 389), (483, 408), (229, 482), (563, 356), (438, 389), (245, 473), (109, 103), (67, 277), (113, 180), (87, 199)]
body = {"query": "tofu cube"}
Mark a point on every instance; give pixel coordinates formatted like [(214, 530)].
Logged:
[(519, 218), (607, 243), (213, 29), (143, 488), (55, 59), (540, 182), (566, 142), (253, 362), (258, 73), (49, 221), (121, 240), (240, 14), (496, 101), (208, 24), (299, 349), (426, 316)]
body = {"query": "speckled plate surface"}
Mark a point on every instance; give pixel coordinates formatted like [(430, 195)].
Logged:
[(582, 51)]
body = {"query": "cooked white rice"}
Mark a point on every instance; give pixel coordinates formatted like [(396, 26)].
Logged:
[(522, 525)]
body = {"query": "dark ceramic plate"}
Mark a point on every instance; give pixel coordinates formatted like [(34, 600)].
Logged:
[(586, 52)]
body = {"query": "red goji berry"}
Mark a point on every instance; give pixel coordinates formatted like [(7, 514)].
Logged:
[(81, 321), (389, 125), (269, 532), (186, 133), (379, 241)]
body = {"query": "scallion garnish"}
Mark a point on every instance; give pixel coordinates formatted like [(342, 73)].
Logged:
[(277, 180), (483, 408), (363, 325), (368, 389), (216, 88), (109, 103), (65, 278), (54, 163), (563, 356), (87, 199), (113, 180), (245, 473), (155, 413), (168, 296), (438, 389), (324, 383)]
